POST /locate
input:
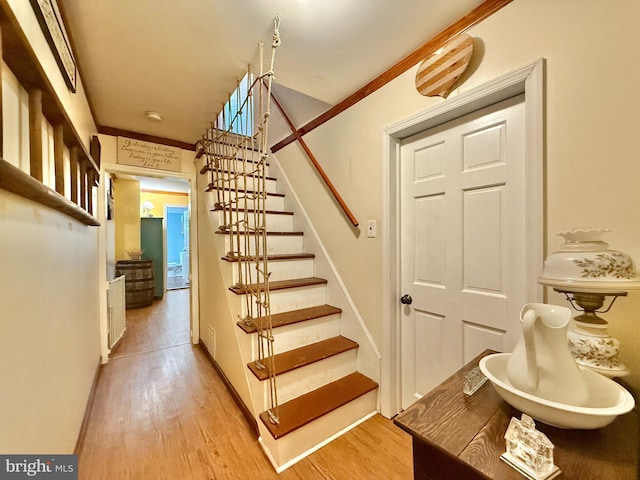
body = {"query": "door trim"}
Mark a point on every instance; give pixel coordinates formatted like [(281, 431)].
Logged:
[(102, 242), (529, 80)]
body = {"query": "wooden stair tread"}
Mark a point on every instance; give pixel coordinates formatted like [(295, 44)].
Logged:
[(280, 284), (231, 172), (302, 356), (292, 316), (313, 405), (271, 233), (218, 208), (212, 187), (270, 258), (207, 166)]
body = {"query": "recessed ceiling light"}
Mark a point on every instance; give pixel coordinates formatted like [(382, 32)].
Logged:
[(153, 116)]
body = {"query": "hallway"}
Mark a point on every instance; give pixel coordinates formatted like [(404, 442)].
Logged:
[(161, 412)]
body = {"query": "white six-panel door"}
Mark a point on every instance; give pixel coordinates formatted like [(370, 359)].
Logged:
[(463, 242)]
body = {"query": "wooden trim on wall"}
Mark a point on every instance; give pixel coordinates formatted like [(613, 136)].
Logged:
[(163, 192), (35, 133), (475, 16), (117, 132), (87, 411), (58, 157), (21, 59), (73, 166)]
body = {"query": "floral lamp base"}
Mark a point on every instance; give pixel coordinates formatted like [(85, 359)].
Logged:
[(593, 347)]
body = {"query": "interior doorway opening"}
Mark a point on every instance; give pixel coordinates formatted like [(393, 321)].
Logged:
[(177, 246), (164, 200)]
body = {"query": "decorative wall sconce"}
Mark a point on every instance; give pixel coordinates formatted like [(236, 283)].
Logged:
[(587, 272)]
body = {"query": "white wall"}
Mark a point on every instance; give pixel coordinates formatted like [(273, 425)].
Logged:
[(592, 171), (229, 346), (49, 346), (49, 290)]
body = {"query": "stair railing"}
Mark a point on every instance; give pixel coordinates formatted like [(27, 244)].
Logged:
[(237, 165)]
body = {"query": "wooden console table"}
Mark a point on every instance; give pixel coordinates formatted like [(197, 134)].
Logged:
[(460, 437)]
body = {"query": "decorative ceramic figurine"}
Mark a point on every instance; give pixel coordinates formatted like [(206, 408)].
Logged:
[(541, 363)]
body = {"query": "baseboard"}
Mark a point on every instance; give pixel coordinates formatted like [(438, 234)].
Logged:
[(87, 410), (246, 413)]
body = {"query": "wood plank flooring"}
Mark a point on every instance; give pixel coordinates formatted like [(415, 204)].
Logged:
[(163, 324), (161, 412)]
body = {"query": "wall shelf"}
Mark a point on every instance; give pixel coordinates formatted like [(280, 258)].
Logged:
[(16, 181), (44, 104)]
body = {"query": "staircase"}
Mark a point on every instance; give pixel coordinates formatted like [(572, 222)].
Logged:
[(319, 390)]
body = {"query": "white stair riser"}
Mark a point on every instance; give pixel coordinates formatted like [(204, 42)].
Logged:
[(292, 299), (274, 222), (241, 166), (275, 244), (305, 333), (297, 298), (279, 269), (272, 202), (300, 442), (229, 182), (310, 377)]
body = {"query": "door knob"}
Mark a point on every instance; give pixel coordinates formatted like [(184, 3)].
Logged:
[(406, 300)]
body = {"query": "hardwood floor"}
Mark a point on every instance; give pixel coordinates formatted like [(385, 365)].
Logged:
[(163, 324), (161, 412)]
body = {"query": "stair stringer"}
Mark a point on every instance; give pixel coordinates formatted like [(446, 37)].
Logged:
[(352, 324), (221, 309)]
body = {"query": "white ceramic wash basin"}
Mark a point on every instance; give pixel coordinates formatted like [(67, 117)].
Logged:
[(607, 399)]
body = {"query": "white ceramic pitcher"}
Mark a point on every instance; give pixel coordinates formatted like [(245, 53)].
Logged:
[(541, 364)]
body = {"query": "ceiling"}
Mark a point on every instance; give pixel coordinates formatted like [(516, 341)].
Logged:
[(183, 59)]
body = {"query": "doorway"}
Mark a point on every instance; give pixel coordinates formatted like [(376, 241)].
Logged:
[(177, 246), (527, 80), (174, 190)]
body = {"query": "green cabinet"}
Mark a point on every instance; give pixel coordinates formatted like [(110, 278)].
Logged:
[(151, 243)]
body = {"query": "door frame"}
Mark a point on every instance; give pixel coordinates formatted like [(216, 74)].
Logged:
[(102, 245), (529, 80), (165, 235)]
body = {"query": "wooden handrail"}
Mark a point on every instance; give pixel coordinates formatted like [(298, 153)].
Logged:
[(475, 16), (320, 170)]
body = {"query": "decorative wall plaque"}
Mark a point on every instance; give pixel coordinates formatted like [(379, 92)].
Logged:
[(139, 153), (49, 18)]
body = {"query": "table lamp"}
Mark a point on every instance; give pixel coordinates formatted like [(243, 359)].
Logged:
[(587, 272)]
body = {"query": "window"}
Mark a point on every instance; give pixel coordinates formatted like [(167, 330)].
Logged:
[(237, 116)]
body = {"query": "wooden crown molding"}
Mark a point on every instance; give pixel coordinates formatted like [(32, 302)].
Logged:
[(117, 132)]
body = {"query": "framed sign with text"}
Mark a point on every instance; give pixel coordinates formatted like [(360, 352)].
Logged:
[(48, 16), (139, 153)]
